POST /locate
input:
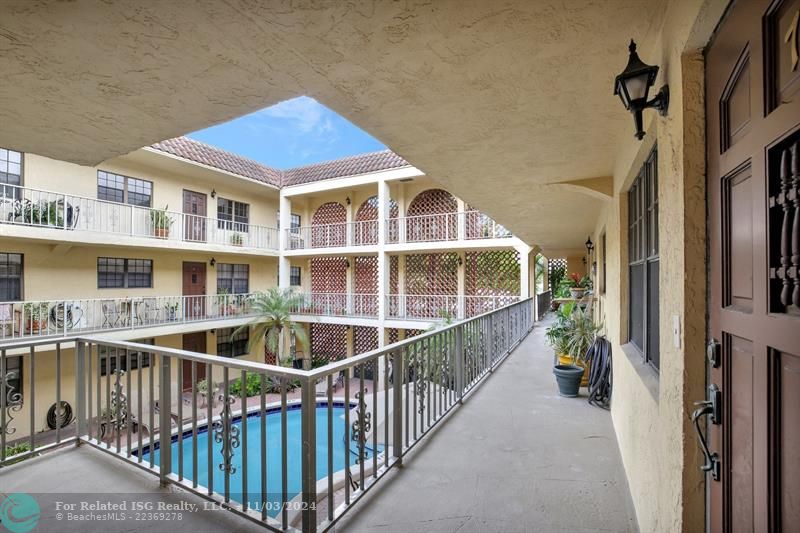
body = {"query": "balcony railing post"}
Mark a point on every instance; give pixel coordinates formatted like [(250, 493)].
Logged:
[(133, 233), (309, 454), (459, 351), (80, 389), (397, 405), (165, 422)]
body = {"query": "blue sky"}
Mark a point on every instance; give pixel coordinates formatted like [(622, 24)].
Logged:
[(294, 132)]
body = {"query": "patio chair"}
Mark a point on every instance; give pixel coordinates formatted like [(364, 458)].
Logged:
[(148, 311), (111, 314)]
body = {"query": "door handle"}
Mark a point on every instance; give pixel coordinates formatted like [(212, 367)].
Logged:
[(710, 407)]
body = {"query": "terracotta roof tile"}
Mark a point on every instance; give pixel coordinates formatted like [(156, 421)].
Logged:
[(215, 157), (348, 166)]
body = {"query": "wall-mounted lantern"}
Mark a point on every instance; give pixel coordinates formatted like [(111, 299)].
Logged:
[(633, 87), (213, 193), (213, 262), (589, 244), (347, 200)]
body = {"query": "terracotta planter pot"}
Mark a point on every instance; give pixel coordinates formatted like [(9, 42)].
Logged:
[(162, 233)]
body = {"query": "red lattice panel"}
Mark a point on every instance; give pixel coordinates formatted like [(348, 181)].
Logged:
[(492, 280), (414, 332), (328, 225), (366, 284), (432, 228), (329, 275), (366, 230), (394, 335), (431, 285), (556, 271), (365, 339), (328, 342), (394, 274), (480, 226)]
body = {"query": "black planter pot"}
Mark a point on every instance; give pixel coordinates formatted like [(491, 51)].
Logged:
[(568, 378)]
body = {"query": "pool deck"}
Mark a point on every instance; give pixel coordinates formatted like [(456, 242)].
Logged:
[(515, 457)]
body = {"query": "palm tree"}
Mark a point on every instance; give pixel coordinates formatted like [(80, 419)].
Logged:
[(274, 309)]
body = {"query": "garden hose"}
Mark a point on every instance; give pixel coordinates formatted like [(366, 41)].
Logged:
[(600, 383)]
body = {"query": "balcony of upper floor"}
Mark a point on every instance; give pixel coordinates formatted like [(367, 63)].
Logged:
[(48, 216), (420, 216), (121, 317)]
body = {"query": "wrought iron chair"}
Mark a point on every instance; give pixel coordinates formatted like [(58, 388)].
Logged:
[(111, 314), (148, 311)]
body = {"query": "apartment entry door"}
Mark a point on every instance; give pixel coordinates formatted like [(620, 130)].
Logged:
[(752, 408), (194, 216), (194, 290), (193, 342)]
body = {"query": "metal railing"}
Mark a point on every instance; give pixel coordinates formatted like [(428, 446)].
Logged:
[(337, 304), (24, 206), (131, 399), (360, 233), (60, 318), (543, 300), (467, 225), (443, 306)]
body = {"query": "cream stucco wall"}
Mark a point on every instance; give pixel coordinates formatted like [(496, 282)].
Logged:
[(651, 409)]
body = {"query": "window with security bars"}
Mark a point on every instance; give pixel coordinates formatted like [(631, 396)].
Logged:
[(233, 215), (643, 261), (120, 273), (132, 360), (10, 277), (295, 277), (124, 189), (233, 279), (10, 167), (231, 343)]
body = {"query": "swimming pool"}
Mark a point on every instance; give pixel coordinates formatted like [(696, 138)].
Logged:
[(274, 475)]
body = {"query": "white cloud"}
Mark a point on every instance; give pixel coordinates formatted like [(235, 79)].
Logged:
[(303, 114)]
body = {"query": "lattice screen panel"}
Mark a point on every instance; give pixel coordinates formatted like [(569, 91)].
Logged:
[(329, 275), (394, 335), (414, 332), (365, 339), (432, 273), (366, 274), (394, 269), (367, 231), (432, 228), (369, 209), (328, 342), (556, 271), (493, 278), (329, 225)]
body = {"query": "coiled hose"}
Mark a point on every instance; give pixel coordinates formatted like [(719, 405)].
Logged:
[(600, 382)]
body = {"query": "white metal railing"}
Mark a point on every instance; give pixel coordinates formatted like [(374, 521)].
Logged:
[(59, 318), (337, 304), (467, 225), (360, 233), (443, 306), (33, 207), (137, 401)]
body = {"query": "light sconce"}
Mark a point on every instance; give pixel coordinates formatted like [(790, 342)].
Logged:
[(347, 200), (347, 263), (589, 244), (213, 193), (633, 86), (460, 261), (213, 262)]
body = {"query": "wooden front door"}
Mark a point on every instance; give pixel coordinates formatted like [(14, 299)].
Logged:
[(194, 213), (753, 151), (194, 290), (193, 342)]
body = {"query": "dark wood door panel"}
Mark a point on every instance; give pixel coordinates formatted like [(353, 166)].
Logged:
[(193, 342), (754, 200)]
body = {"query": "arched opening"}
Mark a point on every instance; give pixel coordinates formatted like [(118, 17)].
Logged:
[(329, 226), (366, 228), (431, 216)]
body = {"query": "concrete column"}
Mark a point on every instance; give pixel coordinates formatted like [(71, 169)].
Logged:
[(401, 212), (383, 257), (401, 285), (546, 274), (350, 282), (462, 285), (461, 219), (283, 241), (350, 210)]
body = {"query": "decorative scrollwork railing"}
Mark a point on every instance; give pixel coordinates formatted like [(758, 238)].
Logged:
[(13, 403), (227, 434)]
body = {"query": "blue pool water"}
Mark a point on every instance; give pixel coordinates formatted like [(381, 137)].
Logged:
[(274, 476)]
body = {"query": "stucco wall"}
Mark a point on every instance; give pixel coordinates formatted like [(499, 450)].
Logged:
[(651, 409)]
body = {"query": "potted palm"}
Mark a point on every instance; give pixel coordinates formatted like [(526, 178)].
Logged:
[(35, 317), (571, 336), (161, 222), (273, 321)]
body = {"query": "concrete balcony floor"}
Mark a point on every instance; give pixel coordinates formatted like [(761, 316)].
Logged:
[(515, 458)]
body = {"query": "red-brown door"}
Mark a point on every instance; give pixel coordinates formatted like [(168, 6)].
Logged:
[(194, 214), (193, 342), (753, 151), (194, 290)]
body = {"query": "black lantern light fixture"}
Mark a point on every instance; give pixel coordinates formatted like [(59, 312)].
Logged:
[(213, 193), (589, 244), (633, 87), (213, 262)]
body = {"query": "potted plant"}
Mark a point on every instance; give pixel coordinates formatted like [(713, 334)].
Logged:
[(35, 317), (172, 311), (161, 222), (576, 285), (571, 336), (237, 239)]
